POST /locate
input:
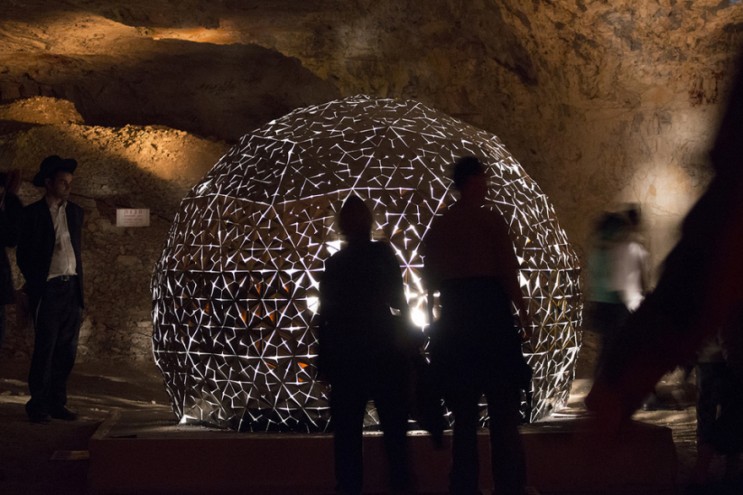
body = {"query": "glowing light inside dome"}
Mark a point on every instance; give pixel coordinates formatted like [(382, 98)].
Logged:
[(235, 290)]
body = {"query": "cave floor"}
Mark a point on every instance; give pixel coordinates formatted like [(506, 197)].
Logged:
[(52, 458)]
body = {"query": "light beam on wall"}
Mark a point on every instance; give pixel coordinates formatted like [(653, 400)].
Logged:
[(236, 287)]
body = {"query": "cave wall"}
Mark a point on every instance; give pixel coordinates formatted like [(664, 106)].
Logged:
[(123, 167), (603, 103)]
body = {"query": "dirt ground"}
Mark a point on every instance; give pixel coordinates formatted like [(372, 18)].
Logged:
[(43, 458), (51, 458)]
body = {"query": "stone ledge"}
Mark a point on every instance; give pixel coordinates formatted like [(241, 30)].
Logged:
[(146, 452)]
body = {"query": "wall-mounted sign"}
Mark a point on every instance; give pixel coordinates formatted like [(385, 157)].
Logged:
[(132, 217)]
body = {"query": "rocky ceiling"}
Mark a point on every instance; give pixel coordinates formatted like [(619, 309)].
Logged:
[(537, 73), (601, 102)]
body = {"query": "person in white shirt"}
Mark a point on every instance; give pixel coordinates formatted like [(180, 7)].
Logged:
[(48, 255), (617, 280)]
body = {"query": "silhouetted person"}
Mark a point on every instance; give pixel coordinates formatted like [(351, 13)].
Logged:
[(360, 348), (48, 255), (698, 292), (10, 214), (470, 260), (719, 410)]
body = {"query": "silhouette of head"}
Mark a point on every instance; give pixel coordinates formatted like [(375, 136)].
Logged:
[(469, 179), (465, 168), (611, 226), (355, 219), (632, 211)]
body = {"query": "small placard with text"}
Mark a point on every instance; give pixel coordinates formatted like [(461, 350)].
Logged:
[(132, 217)]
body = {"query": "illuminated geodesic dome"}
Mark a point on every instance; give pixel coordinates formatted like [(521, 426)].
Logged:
[(236, 287)]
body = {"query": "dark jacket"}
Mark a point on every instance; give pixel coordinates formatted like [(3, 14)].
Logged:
[(36, 246), (360, 284), (9, 223)]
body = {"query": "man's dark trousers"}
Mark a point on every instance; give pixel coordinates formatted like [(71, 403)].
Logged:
[(57, 325)]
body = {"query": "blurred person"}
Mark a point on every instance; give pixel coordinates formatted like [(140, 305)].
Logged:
[(617, 275), (470, 259), (633, 262), (10, 214), (361, 349), (617, 282), (49, 256), (634, 216), (697, 293), (606, 306), (683, 392)]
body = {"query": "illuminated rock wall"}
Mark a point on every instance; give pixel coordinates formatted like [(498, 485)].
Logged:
[(596, 105), (236, 287)]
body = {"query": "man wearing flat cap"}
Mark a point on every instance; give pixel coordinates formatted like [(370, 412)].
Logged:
[(48, 255)]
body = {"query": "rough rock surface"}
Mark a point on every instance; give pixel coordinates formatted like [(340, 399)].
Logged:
[(602, 103), (125, 167)]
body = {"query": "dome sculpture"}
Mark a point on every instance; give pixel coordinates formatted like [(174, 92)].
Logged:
[(236, 287)]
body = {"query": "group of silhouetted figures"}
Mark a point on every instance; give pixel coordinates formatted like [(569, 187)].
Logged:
[(367, 351), (694, 314)]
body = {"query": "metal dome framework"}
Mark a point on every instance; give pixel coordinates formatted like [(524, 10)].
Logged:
[(235, 290)]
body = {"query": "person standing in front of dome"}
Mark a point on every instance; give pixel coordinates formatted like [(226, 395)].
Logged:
[(475, 345), (362, 349)]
